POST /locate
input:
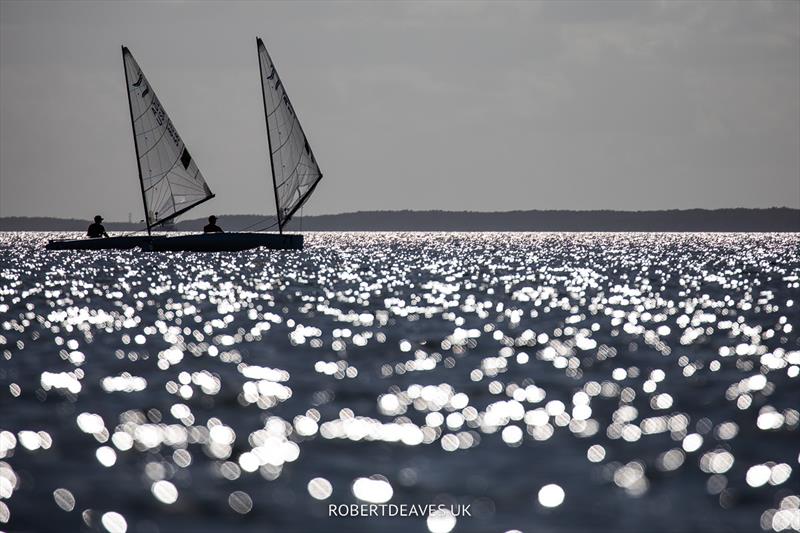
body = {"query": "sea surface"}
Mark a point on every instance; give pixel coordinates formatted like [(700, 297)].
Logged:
[(552, 382)]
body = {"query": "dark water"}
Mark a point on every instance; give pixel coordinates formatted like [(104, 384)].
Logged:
[(553, 382)]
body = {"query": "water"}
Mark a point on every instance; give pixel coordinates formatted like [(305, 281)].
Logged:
[(552, 382)]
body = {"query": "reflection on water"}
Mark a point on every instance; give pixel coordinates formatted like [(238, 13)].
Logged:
[(553, 382)]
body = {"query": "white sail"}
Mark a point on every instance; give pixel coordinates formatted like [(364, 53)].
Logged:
[(294, 169), (171, 181)]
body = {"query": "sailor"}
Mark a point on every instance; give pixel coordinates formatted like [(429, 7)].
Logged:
[(96, 229), (212, 227)]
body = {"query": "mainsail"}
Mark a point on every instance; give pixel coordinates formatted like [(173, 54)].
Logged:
[(295, 172), (171, 182)]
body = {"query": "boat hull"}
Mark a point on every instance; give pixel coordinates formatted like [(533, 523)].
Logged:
[(111, 243), (215, 242), (227, 242)]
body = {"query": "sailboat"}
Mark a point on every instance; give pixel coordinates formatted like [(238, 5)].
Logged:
[(171, 183), (295, 172)]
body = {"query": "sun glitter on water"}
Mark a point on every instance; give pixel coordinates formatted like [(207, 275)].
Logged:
[(540, 378)]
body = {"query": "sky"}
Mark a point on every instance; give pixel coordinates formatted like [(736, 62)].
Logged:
[(485, 106)]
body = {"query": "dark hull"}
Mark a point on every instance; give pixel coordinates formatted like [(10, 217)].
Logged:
[(217, 242), (227, 242), (112, 243)]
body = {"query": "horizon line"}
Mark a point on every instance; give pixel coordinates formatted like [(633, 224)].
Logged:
[(600, 210)]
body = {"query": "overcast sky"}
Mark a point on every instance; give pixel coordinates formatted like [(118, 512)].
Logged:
[(468, 105)]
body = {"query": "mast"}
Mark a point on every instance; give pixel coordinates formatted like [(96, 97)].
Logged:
[(269, 141), (135, 141)]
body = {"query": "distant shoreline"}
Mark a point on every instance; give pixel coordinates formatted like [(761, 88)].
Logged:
[(781, 219)]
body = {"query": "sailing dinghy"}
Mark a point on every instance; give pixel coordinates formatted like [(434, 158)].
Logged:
[(171, 183), (295, 172)]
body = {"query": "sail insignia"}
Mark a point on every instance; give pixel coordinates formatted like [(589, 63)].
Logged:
[(171, 182), (295, 171)]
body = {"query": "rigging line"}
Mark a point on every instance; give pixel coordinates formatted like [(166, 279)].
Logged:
[(206, 188), (280, 101), (288, 138), (157, 183), (154, 144), (304, 198), (133, 232), (257, 222), (290, 176), (187, 182), (268, 227), (288, 179), (158, 203), (189, 177), (148, 131), (295, 172), (156, 196), (274, 110), (305, 161), (307, 166), (178, 213), (171, 197), (163, 175)]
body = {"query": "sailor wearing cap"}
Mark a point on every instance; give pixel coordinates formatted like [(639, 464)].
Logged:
[(96, 229), (212, 227)]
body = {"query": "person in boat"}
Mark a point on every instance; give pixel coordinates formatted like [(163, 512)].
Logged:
[(212, 227), (96, 229)]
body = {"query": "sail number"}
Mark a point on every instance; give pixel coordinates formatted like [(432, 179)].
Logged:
[(161, 117)]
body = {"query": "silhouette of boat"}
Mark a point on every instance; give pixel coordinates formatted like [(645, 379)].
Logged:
[(213, 242), (171, 183)]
